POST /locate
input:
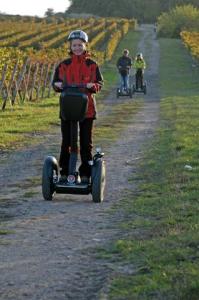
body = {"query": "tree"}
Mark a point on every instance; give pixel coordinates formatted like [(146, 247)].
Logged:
[(180, 18), (49, 13), (142, 10)]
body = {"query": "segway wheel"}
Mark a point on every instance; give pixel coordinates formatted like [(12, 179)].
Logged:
[(144, 89), (98, 180), (118, 93), (50, 169), (130, 93)]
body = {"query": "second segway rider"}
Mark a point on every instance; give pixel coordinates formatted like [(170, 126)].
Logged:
[(139, 65), (78, 69), (124, 64)]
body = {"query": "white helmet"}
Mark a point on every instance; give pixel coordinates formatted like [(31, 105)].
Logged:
[(140, 55), (78, 34)]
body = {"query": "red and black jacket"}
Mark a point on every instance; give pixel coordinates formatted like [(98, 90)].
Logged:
[(80, 69)]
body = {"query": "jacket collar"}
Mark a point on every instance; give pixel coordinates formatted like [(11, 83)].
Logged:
[(80, 58)]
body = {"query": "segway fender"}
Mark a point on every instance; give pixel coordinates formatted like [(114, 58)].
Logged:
[(51, 163)]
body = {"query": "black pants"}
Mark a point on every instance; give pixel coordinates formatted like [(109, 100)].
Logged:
[(86, 146), (139, 78)]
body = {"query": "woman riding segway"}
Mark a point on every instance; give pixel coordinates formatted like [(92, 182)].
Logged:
[(139, 65), (79, 69)]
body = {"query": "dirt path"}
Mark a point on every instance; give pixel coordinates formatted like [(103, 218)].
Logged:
[(50, 253)]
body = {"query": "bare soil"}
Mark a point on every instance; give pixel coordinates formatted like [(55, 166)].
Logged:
[(50, 251)]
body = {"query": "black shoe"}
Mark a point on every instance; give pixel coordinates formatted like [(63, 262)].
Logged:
[(85, 170), (85, 179), (63, 179)]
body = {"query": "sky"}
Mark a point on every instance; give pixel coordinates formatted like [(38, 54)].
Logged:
[(32, 7)]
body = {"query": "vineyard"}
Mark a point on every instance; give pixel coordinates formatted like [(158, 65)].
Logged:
[(191, 41), (29, 52)]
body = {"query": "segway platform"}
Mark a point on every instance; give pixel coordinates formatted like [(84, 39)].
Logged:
[(142, 90), (76, 188), (51, 183), (124, 93), (139, 87)]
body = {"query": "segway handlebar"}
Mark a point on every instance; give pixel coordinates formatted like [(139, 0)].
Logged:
[(75, 86)]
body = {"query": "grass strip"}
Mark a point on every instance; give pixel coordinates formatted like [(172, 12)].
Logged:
[(158, 257)]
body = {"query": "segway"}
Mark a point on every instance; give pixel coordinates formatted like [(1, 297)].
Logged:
[(73, 108), (120, 92), (139, 87)]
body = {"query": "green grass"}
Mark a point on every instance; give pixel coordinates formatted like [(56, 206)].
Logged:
[(29, 182), (5, 232), (159, 256), (27, 123), (30, 194), (24, 123), (180, 78)]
